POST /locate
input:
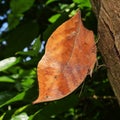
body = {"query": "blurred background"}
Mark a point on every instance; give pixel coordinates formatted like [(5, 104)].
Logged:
[(25, 26)]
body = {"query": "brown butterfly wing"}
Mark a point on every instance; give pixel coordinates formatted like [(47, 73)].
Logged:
[(70, 55)]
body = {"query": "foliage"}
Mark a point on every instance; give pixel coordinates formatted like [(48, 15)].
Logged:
[(25, 26)]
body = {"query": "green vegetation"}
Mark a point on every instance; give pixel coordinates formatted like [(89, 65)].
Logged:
[(25, 26)]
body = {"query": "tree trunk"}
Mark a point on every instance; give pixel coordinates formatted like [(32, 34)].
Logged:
[(108, 15)]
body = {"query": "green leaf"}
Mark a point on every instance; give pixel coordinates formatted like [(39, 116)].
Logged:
[(54, 18), (27, 83), (28, 53), (52, 27), (14, 19), (6, 79), (22, 116), (20, 6), (18, 97), (83, 3), (18, 114), (20, 109), (27, 96), (8, 62), (50, 1), (2, 116)]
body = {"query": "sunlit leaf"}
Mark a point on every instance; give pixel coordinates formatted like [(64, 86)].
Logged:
[(22, 116), (83, 3), (6, 79), (8, 62), (54, 18)]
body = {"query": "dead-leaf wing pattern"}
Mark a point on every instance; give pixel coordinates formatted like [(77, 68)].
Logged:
[(70, 55)]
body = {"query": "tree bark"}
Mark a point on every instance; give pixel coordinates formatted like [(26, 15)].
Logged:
[(108, 15)]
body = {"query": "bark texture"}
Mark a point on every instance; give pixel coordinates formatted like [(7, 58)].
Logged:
[(108, 15)]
